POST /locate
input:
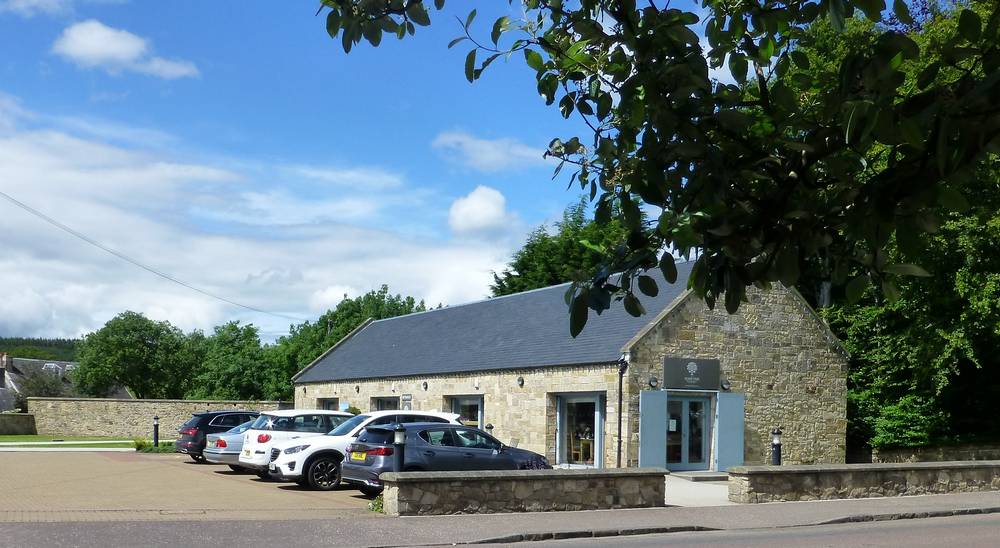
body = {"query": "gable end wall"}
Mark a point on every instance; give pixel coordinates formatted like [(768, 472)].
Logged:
[(777, 352)]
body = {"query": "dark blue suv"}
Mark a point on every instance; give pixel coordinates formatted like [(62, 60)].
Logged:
[(430, 447)]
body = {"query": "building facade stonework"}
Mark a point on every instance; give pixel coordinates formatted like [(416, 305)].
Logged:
[(775, 351)]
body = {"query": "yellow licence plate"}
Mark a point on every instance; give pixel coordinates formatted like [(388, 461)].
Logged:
[(358, 455)]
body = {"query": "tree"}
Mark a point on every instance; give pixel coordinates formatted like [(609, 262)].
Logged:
[(151, 358), (572, 252), (234, 366), (755, 177), (308, 340), (39, 384)]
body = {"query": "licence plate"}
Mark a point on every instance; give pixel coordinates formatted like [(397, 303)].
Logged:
[(358, 455)]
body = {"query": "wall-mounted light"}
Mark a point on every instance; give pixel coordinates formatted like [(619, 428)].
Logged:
[(357, 389), (424, 385), (520, 381), (725, 384), (654, 382), (476, 384), (304, 389)]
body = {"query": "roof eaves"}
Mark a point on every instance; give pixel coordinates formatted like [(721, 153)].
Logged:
[(356, 330), (601, 363), (669, 309), (824, 327)]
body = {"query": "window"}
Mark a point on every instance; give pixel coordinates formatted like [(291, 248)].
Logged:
[(376, 436), (385, 404), (437, 437), (382, 421), (420, 418), (472, 439), (230, 420), (192, 422), (308, 423), (328, 404), (469, 409), (349, 425), (331, 422)]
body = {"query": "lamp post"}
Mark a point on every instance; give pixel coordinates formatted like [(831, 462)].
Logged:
[(399, 443), (622, 369), (156, 430), (776, 446)]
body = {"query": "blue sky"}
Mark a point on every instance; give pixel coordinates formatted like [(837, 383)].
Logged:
[(236, 147)]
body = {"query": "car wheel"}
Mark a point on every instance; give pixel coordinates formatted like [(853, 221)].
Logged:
[(264, 475), (200, 459), (238, 469), (371, 491), (324, 473)]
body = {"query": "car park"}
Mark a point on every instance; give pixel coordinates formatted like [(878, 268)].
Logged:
[(431, 447), (194, 432), (316, 462), (273, 427), (224, 448)]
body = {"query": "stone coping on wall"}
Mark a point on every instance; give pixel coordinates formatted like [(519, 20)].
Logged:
[(874, 467), (494, 475)]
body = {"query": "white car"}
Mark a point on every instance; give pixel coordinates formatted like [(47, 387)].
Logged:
[(315, 462), (273, 427)]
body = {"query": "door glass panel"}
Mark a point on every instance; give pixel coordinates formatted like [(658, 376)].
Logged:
[(674, 433), (469, 409), (579, 432), (696, 432)]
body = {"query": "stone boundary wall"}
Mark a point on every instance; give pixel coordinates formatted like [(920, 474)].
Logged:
[(126, 418), (17, 424), (751, 484), (501, 491), (970, 451)]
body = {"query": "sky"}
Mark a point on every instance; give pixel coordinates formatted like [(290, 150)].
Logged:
[(235, 147)]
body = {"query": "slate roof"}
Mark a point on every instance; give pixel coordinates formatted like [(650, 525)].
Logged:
[(523, 330)]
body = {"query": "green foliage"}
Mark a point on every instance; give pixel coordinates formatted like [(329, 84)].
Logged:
[(39, 349), (143, 445), (761, 177), (354, 410), (375, 505), (39, 384), (233, 366), (571, 252), (153, 359)]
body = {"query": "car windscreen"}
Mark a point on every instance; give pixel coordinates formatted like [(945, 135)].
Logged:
[(241, 428), (347, 426), (375, 436), (192, 422), (335, 421)]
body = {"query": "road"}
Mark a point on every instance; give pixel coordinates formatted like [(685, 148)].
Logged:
[(965, 531)]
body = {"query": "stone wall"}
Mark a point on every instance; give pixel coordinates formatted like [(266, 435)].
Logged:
[(17, 424), (427, 493), (125, 418), (525, 413), (970, 451), (776, 351), (796, 483)]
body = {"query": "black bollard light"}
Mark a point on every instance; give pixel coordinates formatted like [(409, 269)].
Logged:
[(776, 446), (156, 430), (399, 442)]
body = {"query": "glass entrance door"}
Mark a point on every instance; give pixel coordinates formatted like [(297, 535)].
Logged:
[(580, 430), (687, 433)]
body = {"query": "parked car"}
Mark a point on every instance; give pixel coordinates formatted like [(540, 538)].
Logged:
[(225, 448), (273, 427), (431, 447), (316, 463), (192, 440)]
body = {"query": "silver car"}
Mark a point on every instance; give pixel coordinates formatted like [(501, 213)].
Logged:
[(224, 448)]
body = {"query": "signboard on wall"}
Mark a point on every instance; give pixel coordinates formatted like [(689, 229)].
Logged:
[(407, 401), (691, 373)]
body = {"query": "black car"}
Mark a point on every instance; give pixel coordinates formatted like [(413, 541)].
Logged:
[(193, 432), (430, 447)]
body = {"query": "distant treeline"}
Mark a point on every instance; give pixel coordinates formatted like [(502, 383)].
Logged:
[(40, 349)]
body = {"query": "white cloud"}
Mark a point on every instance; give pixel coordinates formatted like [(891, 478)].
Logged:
[(223, 228), (92, 44), (488, 155), (31, 8), (482, 211), (363, 178)]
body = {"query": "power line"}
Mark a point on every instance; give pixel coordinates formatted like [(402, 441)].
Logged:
[(134, 262)]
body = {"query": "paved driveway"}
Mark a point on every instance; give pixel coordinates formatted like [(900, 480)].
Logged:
[(135, 486)]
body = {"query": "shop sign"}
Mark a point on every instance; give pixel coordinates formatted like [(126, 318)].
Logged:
[(691, 373), (407, 402)]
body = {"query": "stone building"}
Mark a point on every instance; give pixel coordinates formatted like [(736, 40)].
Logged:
[(710, 386)]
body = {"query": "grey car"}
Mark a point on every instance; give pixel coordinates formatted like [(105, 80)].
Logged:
[(225, 447), (430, 447)]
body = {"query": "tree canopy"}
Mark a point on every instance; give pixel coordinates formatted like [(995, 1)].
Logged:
[(571, 252), (754, 177)]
